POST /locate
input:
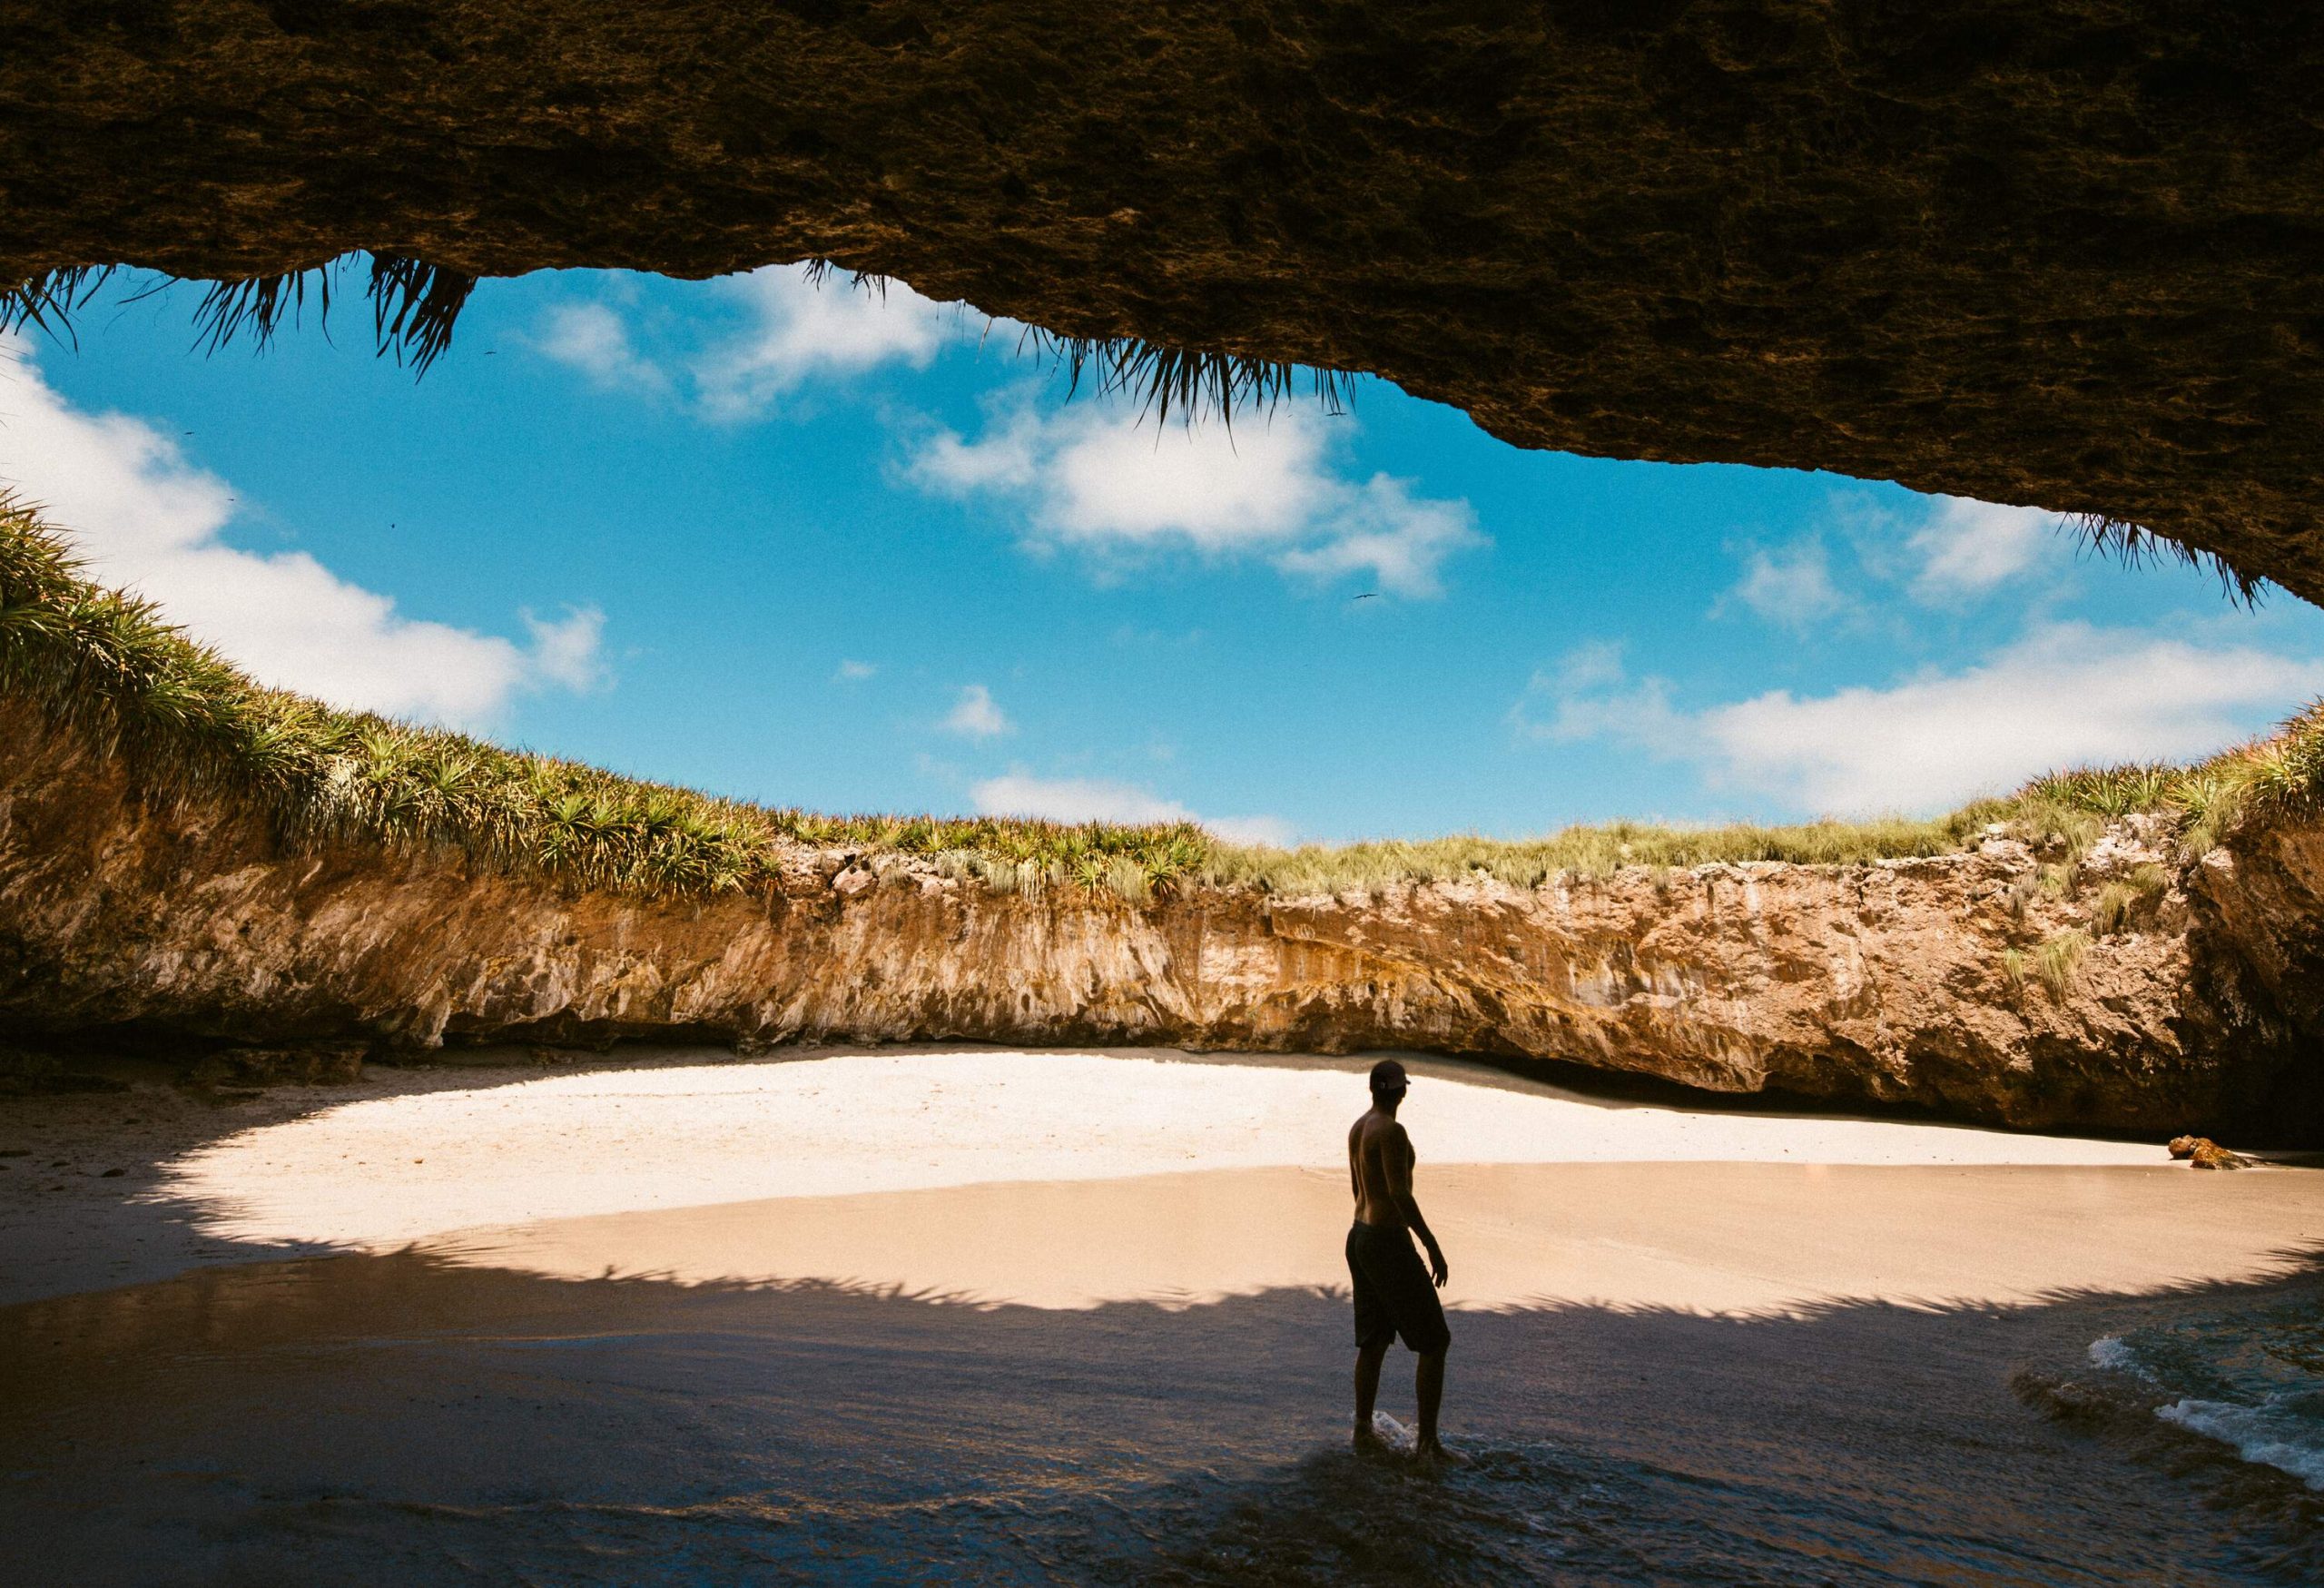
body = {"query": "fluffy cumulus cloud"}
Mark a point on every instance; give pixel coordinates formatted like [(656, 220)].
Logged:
[(1791, 586), (1087, 799), (2064, 694), (146, 519), (594, 339), (1935, 552), (799, 328), (1096, 478), (1967, 547), (790, 330), (976, 716)]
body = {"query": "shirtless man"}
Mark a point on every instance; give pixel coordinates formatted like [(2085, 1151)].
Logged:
[(1393, 1294)]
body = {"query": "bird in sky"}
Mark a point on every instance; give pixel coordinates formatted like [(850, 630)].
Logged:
[(1367, 596)]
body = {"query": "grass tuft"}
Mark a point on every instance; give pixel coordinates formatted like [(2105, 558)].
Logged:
[(2136, 545), (48, 302), (256, 306), (414, 304), (2122, 899), (1194, 382), (2059, 958)]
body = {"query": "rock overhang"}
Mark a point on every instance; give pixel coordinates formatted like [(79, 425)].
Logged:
[(2065, 256)]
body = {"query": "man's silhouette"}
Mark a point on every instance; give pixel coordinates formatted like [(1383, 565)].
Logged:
[(1394, 1295)]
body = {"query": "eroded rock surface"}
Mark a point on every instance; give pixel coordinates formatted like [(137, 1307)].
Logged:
[(2063, 254), (1896, 982)]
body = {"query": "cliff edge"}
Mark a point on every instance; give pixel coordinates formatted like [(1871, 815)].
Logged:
[(2154, 993)]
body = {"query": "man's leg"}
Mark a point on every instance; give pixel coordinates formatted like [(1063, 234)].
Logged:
[(1367, 1387), (1428, 1384)]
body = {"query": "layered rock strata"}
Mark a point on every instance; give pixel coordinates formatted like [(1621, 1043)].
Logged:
[(1893, 982)]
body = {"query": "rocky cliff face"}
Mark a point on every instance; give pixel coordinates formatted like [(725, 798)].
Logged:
[(1896, 982)]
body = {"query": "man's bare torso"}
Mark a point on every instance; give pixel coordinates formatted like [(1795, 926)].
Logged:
[(1380, 1169)]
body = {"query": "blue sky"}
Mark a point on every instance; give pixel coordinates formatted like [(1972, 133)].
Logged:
[(828, 547)]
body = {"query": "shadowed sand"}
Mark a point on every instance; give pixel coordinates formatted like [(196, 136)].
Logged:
[(400, 1419)]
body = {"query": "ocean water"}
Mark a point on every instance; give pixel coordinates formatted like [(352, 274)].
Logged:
[(402, 1419), (2252, 1379)]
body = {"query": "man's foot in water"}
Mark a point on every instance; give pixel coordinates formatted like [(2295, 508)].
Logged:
[(1369, 1443), (1431, 1452)]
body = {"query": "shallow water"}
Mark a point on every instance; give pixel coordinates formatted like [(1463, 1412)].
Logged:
[(2252, 1379), (404, 1419)]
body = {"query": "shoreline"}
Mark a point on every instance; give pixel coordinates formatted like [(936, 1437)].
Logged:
[(520, 1159)]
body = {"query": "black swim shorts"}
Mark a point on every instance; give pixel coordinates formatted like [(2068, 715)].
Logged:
[(1393, 1293)]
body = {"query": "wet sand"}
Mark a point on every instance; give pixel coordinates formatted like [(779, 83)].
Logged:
[(923, 1316)]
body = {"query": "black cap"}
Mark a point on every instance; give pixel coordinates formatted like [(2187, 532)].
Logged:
[(1388, 1076)]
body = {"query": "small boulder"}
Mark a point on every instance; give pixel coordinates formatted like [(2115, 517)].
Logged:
[(854, 879), (2202, 1152)]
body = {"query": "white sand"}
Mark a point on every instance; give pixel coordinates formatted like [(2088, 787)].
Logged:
[(1071, 1180), (383, 1173)]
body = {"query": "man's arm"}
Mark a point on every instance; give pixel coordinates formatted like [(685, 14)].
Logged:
[(1399, 1186)]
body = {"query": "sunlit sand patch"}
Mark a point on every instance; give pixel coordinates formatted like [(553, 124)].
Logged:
[(1069, 1179), (1727, 1237)]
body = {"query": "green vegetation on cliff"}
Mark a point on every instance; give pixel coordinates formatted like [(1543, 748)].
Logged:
[(186, 722)]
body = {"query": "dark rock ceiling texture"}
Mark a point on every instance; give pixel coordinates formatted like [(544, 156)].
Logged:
[(2063, 252)]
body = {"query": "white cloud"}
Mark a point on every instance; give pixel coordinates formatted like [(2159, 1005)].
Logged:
[(1096, 478), (1791, 586), (594, 339), (2066, 694), (798, 328), (1273, 831), (146, 519), (1085, 799), (1588, 695), (1382, 529), (570, 651), (853, 672), (974, 715), (1967, 547)]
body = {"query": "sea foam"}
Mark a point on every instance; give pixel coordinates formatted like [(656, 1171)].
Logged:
[(2268, 1435)]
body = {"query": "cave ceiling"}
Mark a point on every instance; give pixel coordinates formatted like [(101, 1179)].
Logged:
[(2056, 252)]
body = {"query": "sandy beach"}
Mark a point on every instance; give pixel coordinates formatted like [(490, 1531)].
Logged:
[(1072, 1180), (805, 1294)]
